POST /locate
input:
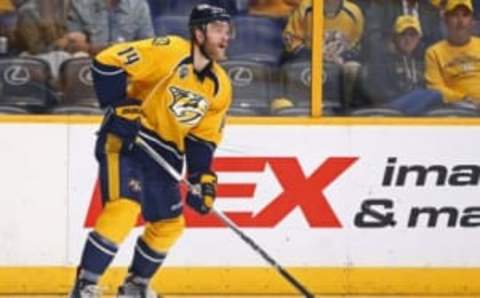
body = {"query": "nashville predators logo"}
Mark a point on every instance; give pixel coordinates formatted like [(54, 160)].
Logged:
[(188, 108), (135, 185)]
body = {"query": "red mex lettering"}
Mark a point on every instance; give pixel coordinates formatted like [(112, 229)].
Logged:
[(306, 193)]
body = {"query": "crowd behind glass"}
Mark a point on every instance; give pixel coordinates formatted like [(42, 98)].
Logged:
[(380, 58)]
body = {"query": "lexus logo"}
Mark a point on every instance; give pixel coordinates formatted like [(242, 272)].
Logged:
[(306, 76), (16, 75), (241, 76), (85, 75)]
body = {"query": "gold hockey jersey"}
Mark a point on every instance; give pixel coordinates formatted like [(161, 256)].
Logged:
[(176, 100)]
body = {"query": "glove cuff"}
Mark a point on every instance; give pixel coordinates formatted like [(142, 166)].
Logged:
[(202, 178)]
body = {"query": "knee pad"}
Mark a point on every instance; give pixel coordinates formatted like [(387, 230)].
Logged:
[(117, 219), (162, 234)]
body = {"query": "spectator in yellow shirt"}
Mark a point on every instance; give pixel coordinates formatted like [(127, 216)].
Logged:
[(343, 30), (453, 64)]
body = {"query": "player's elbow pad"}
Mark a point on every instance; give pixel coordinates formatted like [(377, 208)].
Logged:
[(110, 83)]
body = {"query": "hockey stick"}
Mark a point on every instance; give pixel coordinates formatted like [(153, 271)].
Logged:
[(229, 223)]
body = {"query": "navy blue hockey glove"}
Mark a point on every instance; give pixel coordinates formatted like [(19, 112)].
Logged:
[(204, 192), (125, 129)]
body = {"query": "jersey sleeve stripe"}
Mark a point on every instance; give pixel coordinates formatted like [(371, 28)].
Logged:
[(106, 70), (210, 145), (110, 84), (160, 143)]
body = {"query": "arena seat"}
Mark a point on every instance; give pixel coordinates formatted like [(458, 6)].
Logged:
[(257, 39), (171, 25), (25, 84), (78, 92), (184, 7), (296, 78), (293, 112), (12, 110), (251, 83), (376, 112), (453, 110)]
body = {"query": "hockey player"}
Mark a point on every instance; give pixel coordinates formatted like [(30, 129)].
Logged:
[(173, 95)]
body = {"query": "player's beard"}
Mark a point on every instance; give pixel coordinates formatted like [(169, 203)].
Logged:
[(214, 51)]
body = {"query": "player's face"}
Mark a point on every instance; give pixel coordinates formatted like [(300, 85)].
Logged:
[(218, 35)]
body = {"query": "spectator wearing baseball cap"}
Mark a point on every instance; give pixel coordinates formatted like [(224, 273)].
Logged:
[(453, 64), (476, 6), (396, 80), (451, 5), (406, 22), (381, 16)]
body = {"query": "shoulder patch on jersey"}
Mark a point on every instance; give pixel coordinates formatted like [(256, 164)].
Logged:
[(188, 107), (161, 41)]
